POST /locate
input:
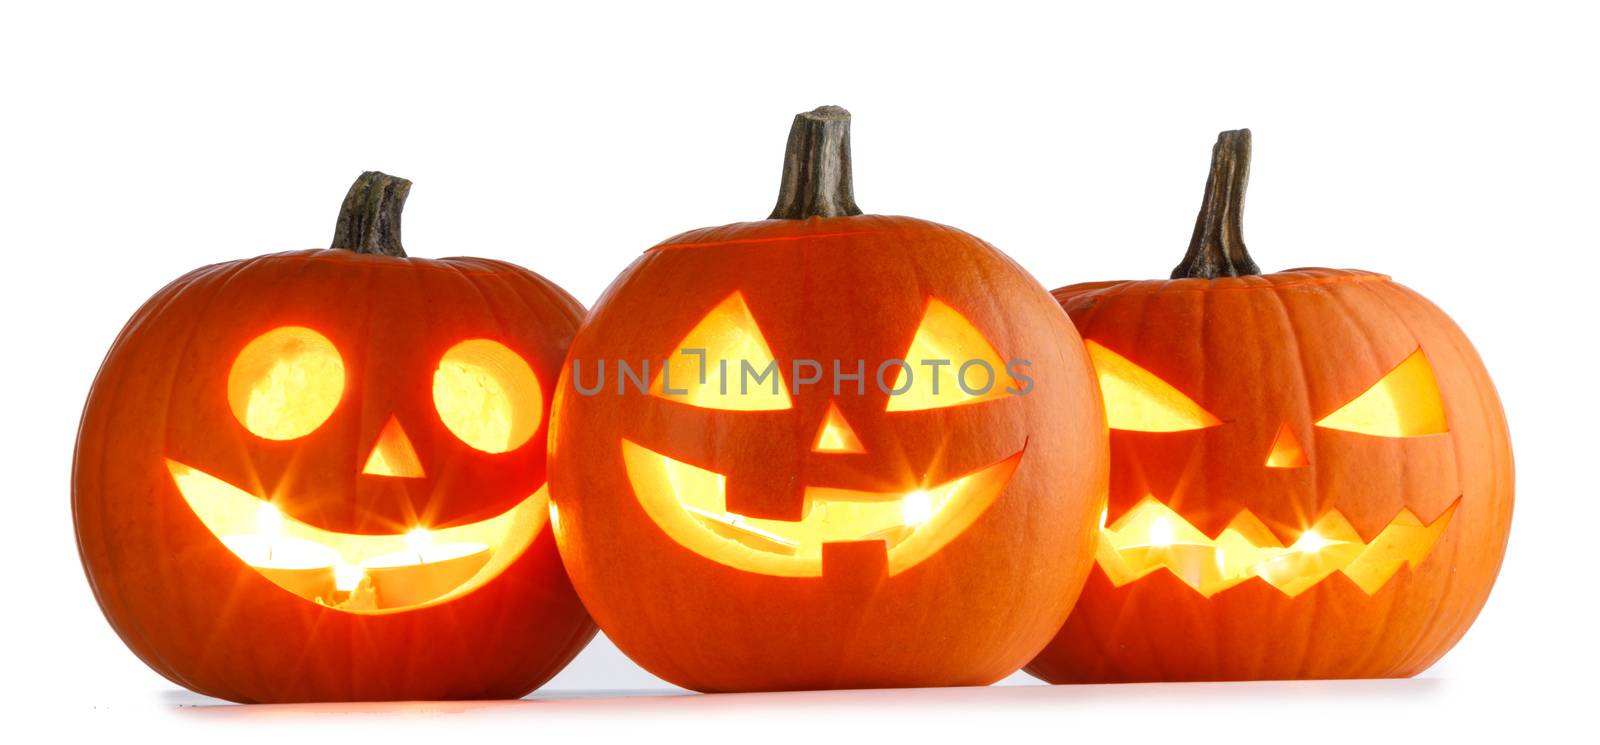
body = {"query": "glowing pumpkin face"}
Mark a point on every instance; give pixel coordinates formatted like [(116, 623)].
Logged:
[(293, 468), (423, 513), (776, 504), (1279, 521), (912, 511), (1311, 478)]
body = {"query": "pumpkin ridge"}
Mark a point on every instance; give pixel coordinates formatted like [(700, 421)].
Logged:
[(1488, 404), (216, 283)]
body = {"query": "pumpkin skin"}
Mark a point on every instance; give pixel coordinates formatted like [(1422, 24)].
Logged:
[(200, 616), (850, 287), (1268, 354)]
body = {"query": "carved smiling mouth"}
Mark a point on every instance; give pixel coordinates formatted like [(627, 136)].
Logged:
[(1151, 537), (690, 504), (359, 573)]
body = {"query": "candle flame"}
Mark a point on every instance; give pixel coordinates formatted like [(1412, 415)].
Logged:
[(1311, 542), (269, 521), (917, 507), (269, 525), (346, 577), (1162, 532), (419, 539)]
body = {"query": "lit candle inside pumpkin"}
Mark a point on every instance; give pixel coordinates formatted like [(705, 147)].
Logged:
[(302, 567), (424, 571), (1189, 560)]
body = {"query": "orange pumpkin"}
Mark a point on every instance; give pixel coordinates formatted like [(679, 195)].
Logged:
[(1311, 475), (318, 475), (841, 521)]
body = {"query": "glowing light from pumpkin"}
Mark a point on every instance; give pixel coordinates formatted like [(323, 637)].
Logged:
[(723, 363), (916, 508), (347, 577), (1138, 401), (313, 563), (487, 395), (393, 455), (285, 383), (1286, 450), (1152, 537), (269, 522), (1311, 542), (949, 341), (1403, 403), (690, 504), (1161, 533), (835, 435), (418, 540)]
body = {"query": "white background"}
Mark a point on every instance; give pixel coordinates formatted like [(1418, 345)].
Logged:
[(1452, 147)]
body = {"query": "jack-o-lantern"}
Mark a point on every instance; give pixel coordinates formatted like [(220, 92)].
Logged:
[(319, 475), (827, 450), (1311, 475)]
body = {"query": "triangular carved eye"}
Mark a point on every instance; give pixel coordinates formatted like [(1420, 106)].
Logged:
[(724, 363), (1403, 403), (1138, 401), (950, 363)]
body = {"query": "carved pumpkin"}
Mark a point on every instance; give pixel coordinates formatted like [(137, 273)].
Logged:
[(808, 528), (318, 475), (1311, 475)]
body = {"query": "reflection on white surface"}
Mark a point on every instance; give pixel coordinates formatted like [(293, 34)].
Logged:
[(602, 681), (1086, 704), (603, 697)]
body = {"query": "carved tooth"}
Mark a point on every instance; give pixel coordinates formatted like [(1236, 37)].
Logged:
[(1152, 537)]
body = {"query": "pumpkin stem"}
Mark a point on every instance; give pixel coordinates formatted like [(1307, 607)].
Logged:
[(1217, 248), (369, 219), (816, 167)]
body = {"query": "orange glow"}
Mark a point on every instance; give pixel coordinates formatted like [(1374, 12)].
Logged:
[(946, 335), (1151, 537), (285, 383), (731, 341), (1286, 450), (835, 435), (487, 395), (393, 455), (1138, 401), (359, 573), (690, 505), (1403, 403)]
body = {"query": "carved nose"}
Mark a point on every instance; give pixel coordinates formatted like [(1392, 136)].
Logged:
[(393, 454), (1286, 450), (835, 435)]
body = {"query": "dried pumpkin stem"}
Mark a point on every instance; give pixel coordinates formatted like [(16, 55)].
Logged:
[(1217, 248), (369, 219), (816, 167)]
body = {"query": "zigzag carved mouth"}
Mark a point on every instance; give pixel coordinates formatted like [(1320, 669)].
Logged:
[(1151, 537)]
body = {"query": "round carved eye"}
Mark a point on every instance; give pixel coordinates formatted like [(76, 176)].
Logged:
[(285, 383), (487, 395)]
